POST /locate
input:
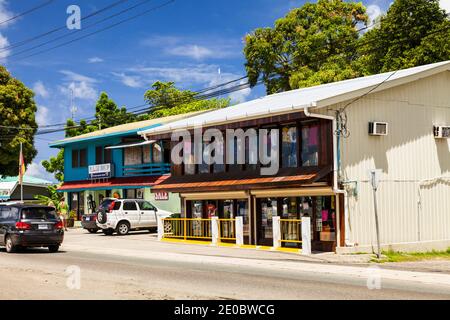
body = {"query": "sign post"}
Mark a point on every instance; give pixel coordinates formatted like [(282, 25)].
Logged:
[(375, 180)]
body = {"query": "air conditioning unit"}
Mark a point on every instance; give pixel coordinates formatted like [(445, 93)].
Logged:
[(378, 128), (441, 132)]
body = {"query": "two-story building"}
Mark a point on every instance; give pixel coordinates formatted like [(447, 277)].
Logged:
[(116, 162), (331, 138)]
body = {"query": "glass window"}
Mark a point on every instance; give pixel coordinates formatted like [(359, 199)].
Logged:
[(75, 160), (129, 205), (242, 211), (204, 167), (251, 155), (8, 214), (197, 209), (145, 205), (83, 158), (157, 153), (99, 155), (289, 147), (107, 156), (290, 208), (39, 213), (219, 167), (189, 166), (310, 145), (211, 208), (117, 205), (228, 209), (133, 156)]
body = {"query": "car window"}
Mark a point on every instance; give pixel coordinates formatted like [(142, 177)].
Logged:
[(105, 204), (117, 205), (8, 214), (39, 213), (145, 205), (129, 205)]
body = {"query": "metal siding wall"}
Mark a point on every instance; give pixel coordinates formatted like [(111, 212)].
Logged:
[(407, 155)]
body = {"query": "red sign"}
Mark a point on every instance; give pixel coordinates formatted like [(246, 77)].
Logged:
[(161, 196)]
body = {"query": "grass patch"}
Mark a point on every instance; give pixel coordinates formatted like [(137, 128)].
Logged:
[(393, 256)]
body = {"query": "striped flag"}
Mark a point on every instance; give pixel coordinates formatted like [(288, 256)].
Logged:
[(21, 166)]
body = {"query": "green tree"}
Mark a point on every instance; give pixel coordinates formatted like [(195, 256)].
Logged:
[(17, 110), (165, 99), (54, 197), (311, 45), (412, 33)]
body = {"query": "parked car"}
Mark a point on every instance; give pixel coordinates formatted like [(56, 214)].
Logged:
[(89, 222), (23, 226), (124, 215)]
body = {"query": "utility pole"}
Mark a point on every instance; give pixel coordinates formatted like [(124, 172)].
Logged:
[(374, 179), (21, 172)]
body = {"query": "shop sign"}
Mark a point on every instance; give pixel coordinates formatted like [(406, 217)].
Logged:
[(161, 196), (100, 171)]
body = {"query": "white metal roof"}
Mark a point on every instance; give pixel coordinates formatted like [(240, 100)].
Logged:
[(295, 100)]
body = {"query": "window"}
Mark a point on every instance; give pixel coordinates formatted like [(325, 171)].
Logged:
[(117, 205), (145, 205), (8, 214), (133, 156), (204, 167), (39, 214), (157, 153), (99, 155), (289, 147), (129, 205), (83, 158), (75, 159), (107, 156), (189, 166), (310, 145)]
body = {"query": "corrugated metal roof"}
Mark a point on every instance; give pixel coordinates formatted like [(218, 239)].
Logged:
[(296, 100), (125, 128)]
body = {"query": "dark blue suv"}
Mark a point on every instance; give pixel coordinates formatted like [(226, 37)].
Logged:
[(23, 226)]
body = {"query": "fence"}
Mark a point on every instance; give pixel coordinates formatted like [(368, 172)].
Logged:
[(187, 229), (290, 231)]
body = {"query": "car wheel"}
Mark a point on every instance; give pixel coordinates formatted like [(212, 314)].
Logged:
[(123, 228), (167, 227), (108, 232), (92, 230), (10, 247), (53, 248)]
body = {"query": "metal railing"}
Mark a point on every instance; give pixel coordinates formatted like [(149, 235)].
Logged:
[(291, 230), (146, 169), (187, 229), (227, 229)]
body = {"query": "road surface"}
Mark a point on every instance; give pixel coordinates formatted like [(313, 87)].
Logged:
[(139, 267)]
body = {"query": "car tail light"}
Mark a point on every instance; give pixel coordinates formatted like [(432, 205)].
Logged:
[(111, 206), (23, 225), (59, 225)]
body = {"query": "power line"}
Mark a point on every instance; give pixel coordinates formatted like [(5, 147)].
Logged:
[(42, 5), (100, 30), (81, 30), (64, 27)]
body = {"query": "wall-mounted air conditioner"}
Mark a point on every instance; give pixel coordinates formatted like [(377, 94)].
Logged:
[(441, 132), (378, 128)]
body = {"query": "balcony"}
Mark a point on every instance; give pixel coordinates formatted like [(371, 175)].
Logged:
[(146, 169)]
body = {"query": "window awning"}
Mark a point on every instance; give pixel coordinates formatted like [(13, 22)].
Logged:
[(243, 181), (132, 144), (114, 183)]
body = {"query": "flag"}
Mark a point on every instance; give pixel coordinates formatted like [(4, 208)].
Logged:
[(21, 166)]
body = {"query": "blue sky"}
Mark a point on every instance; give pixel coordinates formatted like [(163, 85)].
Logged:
[(186, 42)]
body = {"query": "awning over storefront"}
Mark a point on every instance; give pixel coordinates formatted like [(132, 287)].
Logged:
[(114, 183), (245, 181)]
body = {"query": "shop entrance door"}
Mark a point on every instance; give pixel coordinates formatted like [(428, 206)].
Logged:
[(266, 209)]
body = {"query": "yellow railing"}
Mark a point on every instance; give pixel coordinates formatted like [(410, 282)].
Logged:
[(227, 229), (291, 230), (185, 228)]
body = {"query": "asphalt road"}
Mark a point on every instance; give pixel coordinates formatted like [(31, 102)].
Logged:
[(139, 267)]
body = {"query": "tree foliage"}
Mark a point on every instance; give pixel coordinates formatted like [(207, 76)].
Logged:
[(311, 45), (412, 33), (165, 100), (17, 109)]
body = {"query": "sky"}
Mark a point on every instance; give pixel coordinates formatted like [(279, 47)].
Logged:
[(186, 41)]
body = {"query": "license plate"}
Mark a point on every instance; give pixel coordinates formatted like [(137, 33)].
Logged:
[(43, 227), (88, 218)]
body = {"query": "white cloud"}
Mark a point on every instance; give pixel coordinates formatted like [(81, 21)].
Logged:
[(5, 14), (38, 171), (373, 11), (40, 90), (42, 115), (4, 53), (129, 81), (95, 60), (83, 87), (195, 48), (445, 4)]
